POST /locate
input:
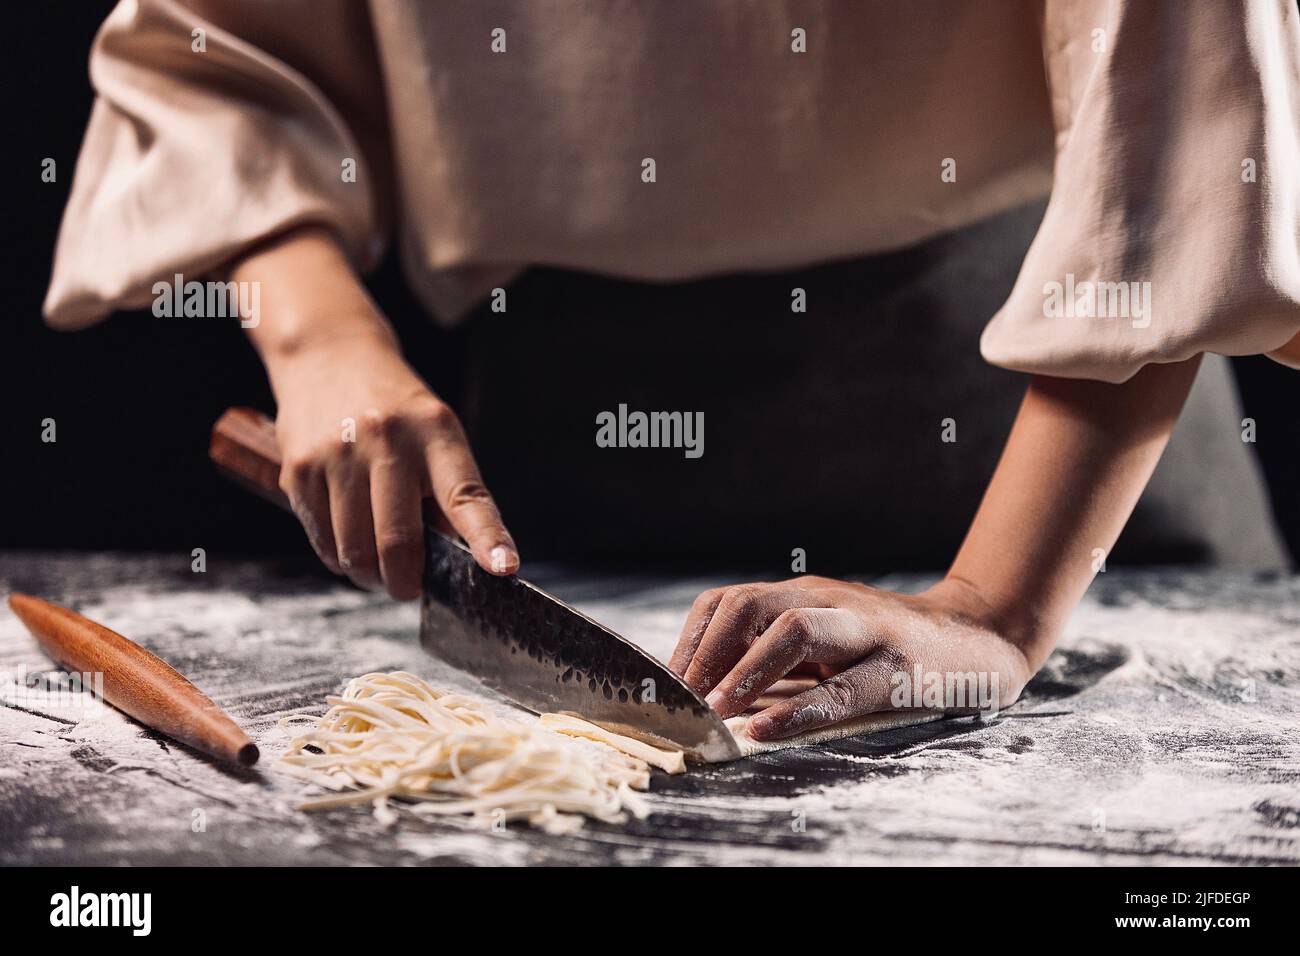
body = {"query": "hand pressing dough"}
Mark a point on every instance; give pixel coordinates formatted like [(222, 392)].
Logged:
[(870, 724), (795, 684)]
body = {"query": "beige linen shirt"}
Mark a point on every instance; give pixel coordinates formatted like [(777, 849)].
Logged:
[(781, 134)]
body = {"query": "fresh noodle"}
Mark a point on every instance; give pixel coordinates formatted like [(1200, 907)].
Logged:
[(392, 736)]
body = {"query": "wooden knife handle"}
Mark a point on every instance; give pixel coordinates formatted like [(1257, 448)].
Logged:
[(135, 681), (245, 448)]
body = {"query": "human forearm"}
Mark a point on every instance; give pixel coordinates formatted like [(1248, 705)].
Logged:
[(1077, 459), (363, 439), (311, 296), (1076, 462)]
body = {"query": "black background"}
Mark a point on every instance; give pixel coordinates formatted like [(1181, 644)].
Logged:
[(1029, 903), (134, 398)]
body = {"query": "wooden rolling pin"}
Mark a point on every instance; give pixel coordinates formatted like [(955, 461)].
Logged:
[(135, 681)]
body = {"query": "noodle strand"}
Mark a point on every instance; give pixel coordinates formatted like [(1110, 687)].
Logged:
[(394, 736)]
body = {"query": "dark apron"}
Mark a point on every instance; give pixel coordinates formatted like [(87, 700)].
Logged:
[(822, 430)]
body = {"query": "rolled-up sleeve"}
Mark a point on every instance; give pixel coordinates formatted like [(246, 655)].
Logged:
[(202, 144), (1173, 226)]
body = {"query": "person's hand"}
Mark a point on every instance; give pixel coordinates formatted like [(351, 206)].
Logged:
[(738, 641), (363, 440)]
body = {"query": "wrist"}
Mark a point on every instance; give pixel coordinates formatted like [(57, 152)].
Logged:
[(1018, 626), (312, 300), (306, 342)]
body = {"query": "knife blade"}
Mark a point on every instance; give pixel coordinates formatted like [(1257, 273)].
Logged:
[(511, 635), (550, 657)]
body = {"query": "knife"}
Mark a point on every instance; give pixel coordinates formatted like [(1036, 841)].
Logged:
[(511, 635)]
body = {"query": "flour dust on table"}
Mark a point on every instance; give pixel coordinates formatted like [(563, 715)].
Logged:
[(1163, 729)]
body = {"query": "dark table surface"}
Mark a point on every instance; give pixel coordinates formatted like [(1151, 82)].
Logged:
[(1163, 730)]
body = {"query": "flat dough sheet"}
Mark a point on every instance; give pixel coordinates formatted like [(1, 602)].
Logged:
[(870, 724), (794, 685)]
